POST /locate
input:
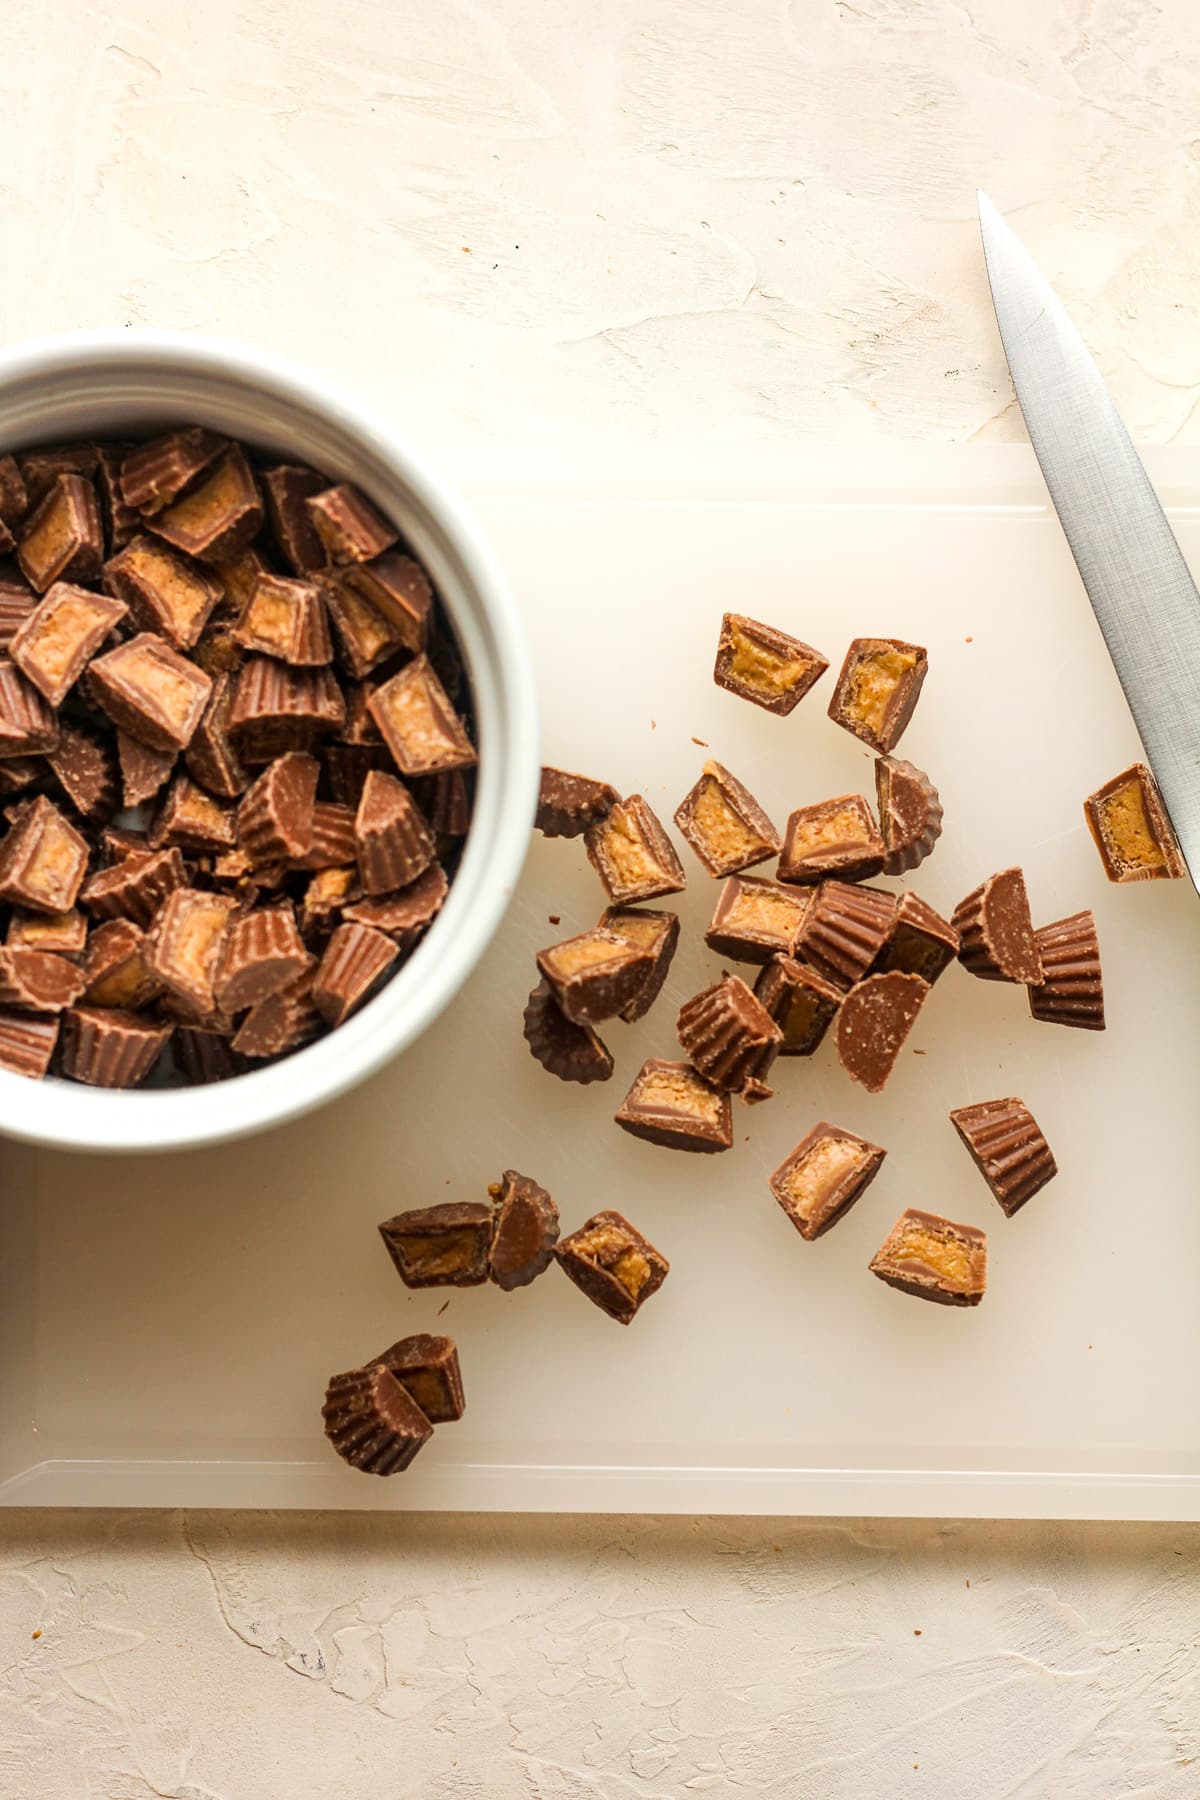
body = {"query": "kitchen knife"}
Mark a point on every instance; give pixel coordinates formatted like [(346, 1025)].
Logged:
[(1132, 567)]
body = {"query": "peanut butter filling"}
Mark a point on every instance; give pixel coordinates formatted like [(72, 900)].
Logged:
[(842, 828), (804, 1012), (948, 1258), (722, 829), (586, 952), (1126, 826), (270, 616), (444, 1254), (769, 915), (873, 682), (414, 719), (812, 1182), (182, 599), (610, 1249), (757, 667), (626, 850), (678, 1092), (171, 692), (54, 861), (55, 644)]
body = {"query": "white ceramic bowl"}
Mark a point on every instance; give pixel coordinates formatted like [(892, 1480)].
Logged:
[(114, 383)]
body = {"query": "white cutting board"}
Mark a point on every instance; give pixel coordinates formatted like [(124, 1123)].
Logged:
[(167, 1325)]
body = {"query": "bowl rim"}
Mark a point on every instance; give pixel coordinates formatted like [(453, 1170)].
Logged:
[(485, 616)]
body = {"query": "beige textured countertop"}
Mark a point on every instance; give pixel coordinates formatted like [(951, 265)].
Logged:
[(662, 233)]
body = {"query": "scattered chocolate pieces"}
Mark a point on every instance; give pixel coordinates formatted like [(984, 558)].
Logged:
[(135, 887), (873, 1022), (672, 1105), (610, 1261), (823, 1177), (441, 1246), (526, 1231), (57, 641), (399, 589), (1071, 991), (572, 1052), (844, 930), (372, 1422), (568, 804), (920, 941), (729, 1036), (756, 919), (766, 666), (43, 860), (365, 636), (1008, 1148), (655, 932), (27, 724), (355, 961), (878, 689), (836, 837), (801, 1002), (632, 854), (427, 1369), (109, 1048), (193, 820), (186, 943), (724, 824), (596, 975), (910, 814), (997, 939), (933, 1259), (1132, 832)]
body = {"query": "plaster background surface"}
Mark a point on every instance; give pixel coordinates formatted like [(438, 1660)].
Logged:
[(670, 235)]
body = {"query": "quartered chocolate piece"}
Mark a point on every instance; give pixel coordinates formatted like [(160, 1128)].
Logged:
[(355, 961), (121, 522), (365, 637), (729, 1036), (211, 757), (877, 690), (164, 591), (801, 1002), (192, 819), (836, 837), (28, 1042), (63, 540), (86, 769), (399, 588), (277, 708), (114, 968), (910, 814), (407, 914), (873, 1022), (135, 888), (393, 839), (285, 1022), (610, 1261), (186, 943), (823, 1177), (285, 618), (419, 724), (28, 726), (427, 1369), (150, 691), (526, 1231), (441, 1246), (1131, 828), (655, 932), (348, 525), (933, 1259), (144, 772), (326, 897), (43, 860), (756, 919), (333, 840), (572, 1052), (758, 663), (724, 823), (264, 953), (632, 854), (285, 490), (1071, 991), (672, 1105), (446, 802), (203, 1056), (920, 941), (60, 637), (154, 474), (275, 818), (219, 516), (996, 932), (239, 576), (594, 976), (1008, 1148), (568, 804), (108, 1048), (41, 467), (371, 1421), (38, 981), (17, 602), (65, 933), (844, 930)]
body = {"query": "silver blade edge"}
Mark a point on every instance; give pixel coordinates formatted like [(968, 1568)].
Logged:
[(1137, 580)]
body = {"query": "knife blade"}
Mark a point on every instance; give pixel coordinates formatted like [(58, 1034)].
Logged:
[(1137, 580)]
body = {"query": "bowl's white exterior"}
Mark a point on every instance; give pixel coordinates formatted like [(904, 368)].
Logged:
[(107, 383)]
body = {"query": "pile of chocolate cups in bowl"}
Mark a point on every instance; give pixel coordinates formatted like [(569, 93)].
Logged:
[(331, 696)]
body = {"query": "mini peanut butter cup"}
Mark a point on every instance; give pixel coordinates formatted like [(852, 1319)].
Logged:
[(144, 772), (672, 1105), (525, 1232), (996, 932), (910, 814), (275, 817), (17, 603), (365, 636), (63, 539), (285, 1022), (724, 824), (427, 1369), (371, 1421), (109, 1048), (285, 617), (920, 941), (204, 1056), (114, 968), (399, 589), (874, 1021), (441, 1246), (28, 1042), (595, 975), (756, 919), (121, 522), (211, 757), (134, 888), (407, 914), (1008, 1148), (572, 1052), (186, 943), (348, 526), (729, 1036), (835, 837), (277, 708), (154, 474), (610, 1262), (218, 516), (652, 931), (1132, 830), (419, 724), (164, 590), (354, 962), (632, 854), (285, 489), (57, 641), (28, 725), (568, 804), (1071, 991), (877, 690), (844, 930), (263, 954), (38, 980), (801, 1002), (933, 1259), (41, 467), (333, 840), (825, 1174), (43, 860), (763, 665), (65, 933), (150, 691), (86, 770), (393, 839)]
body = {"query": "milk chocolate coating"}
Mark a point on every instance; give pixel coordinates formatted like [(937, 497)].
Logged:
[(1132, 830), (610, 1261), (372, 1422), (526, 1231), (825, 1174), (837, 837), (1008, 1148), (910, 814), (844, 930), (652, 931), (756, 919), (920, 941), (572, 1052), (729, 1035), (873, 1022), (568, 804), (765, 666), (427, 1369), (632, 854), (594, 976), (724, 824), (904, 1264), (875, 694), (671, 1105), (1071, 991), (441, 1246), (801, 1002), (996, 932)]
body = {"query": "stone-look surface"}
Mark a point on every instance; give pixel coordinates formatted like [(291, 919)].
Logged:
[(712, 231)]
